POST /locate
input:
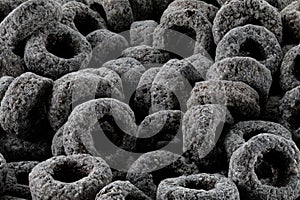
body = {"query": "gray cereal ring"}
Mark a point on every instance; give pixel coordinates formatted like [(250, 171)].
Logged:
[(3, 172), (81, 18), (279, 4), (141, 32), (57, 51), (251, 41), (266, 167), (194, 28), (121, 190), (289, 72), (291, 20), (241, 132), (23, 106), (201, 63), (151, 168), (5, 82), (241, 12), (198, 186), (57, 146), (69, 177), (244, 69), (242, 100)]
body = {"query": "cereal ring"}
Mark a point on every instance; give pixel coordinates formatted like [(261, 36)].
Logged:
[(149, 56), (57, 51), (3, 171), (289, 73), (5, 82), (241, 12), (23, 106), (74, 89), (241, 132), (57, 147), (7, 6), (81, 18), (208, 10), (69, 177), (241, 100), (251, 41), (121, 190), (266, 167), (141, 32), (151, 168), (201, 63), (291, 20), (279, 4), (188, 27), (106, 46), (244, 69), (18, 26), (198, 186)]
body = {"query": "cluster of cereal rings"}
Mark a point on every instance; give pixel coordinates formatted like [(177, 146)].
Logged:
[(197, 99)]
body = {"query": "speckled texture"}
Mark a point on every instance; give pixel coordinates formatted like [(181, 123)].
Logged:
[(266, 167), (241, 12), (241, 132), (22, 109), (241, 100), (244, 69), (57, 51), (198, 186), (279, 4), (159, 6), (57, 146), (291, 20), (289, 72), (201, 63), (251, 41), (141, 32), (141, 9), (5, 82), (46, 180), (152, 167), (21, 23), (3, 172), (81, 18), (121, 190)]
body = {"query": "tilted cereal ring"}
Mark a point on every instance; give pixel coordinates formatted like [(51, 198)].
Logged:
[(291, 21), (151, 168), (251, 41), (121, 190), (241, 132), (201, 63), (242, 100), (198, 186), (57, 51), (23, 106), (266, 167), (81, 18), (3, 172), (141, 32), (69, 177), (243, 69), (15, 29), (241, 12)]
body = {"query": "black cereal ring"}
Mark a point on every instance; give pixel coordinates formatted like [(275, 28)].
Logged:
[(74, 89), (5, 82), (3, 172), (198, 186), (149, 56), (130, 70), (57, 146), (289, 72), (151, 168), (69, 177), (242, 100), (141, 32), (208, 10), (106, 46), (266, 167), (251, 41), (243, 69), (186, 25), (57, 51), (172, 85), (141, 9), (241, 12), (23, 105), (18, 26), (241, 132), (105, 112), (279, 4), (121, 190), (81, 18), (201, 63), (291, 20)]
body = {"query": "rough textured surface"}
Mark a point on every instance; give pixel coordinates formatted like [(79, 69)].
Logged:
[(5, 82), (201, 63), (291, 21), (65, 177), (279, 4), (267, 166), (3, 172), (57, 146), (198, 186), (251, 41), (240, 12), (141, 32)]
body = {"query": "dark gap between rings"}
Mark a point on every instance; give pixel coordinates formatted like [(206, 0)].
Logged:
[(85, 23), (99, 9), (251, 48), (296, 71), (200, 184)]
